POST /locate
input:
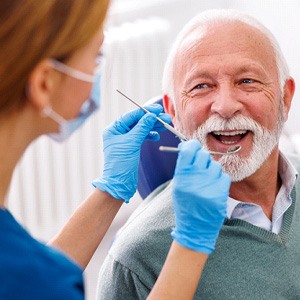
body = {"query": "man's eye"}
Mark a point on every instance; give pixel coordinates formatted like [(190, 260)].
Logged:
[(201, 86), (247, 80)]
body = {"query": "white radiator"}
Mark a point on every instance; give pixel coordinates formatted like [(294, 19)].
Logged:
[(52, 179)]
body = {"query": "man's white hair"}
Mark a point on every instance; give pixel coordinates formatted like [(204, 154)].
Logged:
[(197, 26)]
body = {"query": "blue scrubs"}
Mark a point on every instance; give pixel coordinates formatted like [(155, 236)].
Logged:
[(31, 270)]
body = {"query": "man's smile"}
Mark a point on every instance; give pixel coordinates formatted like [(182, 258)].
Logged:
[(229, 137)]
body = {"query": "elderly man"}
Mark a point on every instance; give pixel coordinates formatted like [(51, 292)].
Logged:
[(226, 83)]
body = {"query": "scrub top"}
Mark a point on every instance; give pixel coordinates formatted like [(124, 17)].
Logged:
[(32, 270)]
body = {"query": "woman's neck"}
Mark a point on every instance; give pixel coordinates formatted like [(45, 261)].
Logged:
[(15, 136)]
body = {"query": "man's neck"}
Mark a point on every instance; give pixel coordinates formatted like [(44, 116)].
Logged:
[(262, 187)]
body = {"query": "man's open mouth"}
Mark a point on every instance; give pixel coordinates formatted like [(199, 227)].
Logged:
[(229, 137)]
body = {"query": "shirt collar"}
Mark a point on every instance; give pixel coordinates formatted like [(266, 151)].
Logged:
[(231, 205), (288, 174), (287, 171)]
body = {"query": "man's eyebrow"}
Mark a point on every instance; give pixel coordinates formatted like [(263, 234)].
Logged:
[(251, 68), (198, 74)]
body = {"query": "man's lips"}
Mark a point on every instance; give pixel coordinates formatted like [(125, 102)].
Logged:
[(229, 137)]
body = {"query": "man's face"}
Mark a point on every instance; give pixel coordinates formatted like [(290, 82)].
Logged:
[(227, 93)]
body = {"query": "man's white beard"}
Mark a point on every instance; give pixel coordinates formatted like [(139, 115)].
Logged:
[(264, 141)]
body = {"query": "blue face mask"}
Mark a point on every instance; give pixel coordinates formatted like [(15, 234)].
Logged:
[(67, 127)]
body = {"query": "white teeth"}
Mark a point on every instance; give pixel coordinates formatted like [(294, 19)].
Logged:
[(228, 143), (231, 133)]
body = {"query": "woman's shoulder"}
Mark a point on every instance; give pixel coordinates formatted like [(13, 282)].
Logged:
[(29, 268)]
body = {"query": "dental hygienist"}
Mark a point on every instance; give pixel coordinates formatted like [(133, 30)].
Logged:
[(48, 69)]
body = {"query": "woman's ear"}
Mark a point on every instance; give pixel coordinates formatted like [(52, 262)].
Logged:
[(41, 84), (169, 106)]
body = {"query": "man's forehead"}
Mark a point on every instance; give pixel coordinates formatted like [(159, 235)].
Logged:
[(235, 40), (217, 36)]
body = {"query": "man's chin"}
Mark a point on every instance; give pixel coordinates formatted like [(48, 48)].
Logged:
[(237, 168)]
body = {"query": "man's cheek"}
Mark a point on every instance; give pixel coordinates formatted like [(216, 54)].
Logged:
[(191, 126)]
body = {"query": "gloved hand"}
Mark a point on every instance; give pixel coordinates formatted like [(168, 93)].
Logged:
[(200, 195), (122, 141)]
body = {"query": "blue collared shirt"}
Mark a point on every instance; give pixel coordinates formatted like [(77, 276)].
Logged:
[(254, 214)]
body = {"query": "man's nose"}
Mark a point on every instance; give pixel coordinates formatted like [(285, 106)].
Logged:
[(226, 103)]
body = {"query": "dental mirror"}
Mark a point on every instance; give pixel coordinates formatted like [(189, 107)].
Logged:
[(230, 150)]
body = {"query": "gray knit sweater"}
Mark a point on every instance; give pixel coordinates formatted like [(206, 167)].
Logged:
[(248, 262)]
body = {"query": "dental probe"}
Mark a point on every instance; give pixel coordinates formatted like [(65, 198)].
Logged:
[(166, 125), (230, 150)]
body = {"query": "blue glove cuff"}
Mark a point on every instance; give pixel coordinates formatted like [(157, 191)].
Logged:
[(198, 244), (113, 187)]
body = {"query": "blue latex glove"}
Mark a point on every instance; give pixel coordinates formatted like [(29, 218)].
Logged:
[(122, 141), (200, 195)]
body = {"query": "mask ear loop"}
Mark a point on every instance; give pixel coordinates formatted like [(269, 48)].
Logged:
[(47, 111), (59, 66)]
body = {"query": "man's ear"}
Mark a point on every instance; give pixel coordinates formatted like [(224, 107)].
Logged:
[(288, 90), (40, 85), (169, 106)]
